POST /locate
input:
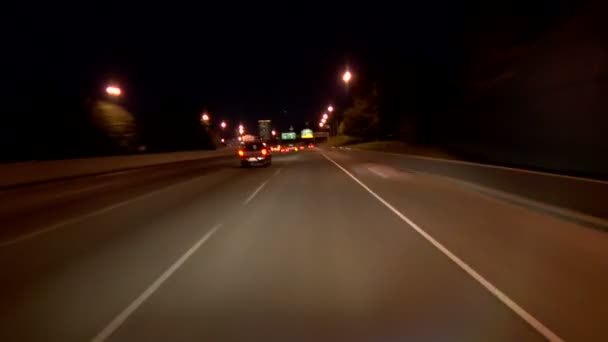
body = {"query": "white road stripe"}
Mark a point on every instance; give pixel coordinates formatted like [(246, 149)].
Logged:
[(259, 188), (91, 214), (521, 312), (255, 193), (124, 315)]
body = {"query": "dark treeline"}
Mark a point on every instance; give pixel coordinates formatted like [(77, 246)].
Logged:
[(522, 86), (55, 127)]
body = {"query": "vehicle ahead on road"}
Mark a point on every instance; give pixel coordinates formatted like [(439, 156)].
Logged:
[(289, 148), (296, 146), (306, 146), (254, 153)]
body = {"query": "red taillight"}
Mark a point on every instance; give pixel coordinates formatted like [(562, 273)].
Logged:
[(241, 153), (264, 152)]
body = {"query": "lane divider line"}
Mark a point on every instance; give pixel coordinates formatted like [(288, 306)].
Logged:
[(259, 188), (255, 192), (521, 312), (106, 332), (83, 217)]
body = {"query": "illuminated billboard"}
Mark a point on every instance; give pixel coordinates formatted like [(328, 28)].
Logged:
[(307, 134)]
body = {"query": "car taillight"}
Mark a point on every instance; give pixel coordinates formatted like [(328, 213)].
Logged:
[(241, 153), (264, 152)]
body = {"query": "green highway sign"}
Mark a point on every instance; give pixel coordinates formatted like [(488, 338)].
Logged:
[(288, 136)]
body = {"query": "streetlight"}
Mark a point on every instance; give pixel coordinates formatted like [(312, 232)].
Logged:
[(241, 129), (347, 76), (330, 109), (205, 117), (273, 132), (321, 124), (223, 124), (113, 90), (325, 116)]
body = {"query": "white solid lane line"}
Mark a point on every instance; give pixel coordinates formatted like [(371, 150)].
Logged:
[(521, 312), (106, 332)]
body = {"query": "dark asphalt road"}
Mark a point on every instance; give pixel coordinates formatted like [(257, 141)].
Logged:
[(299, 251)]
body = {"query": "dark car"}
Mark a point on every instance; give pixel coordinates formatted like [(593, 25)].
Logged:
[(254, 153)]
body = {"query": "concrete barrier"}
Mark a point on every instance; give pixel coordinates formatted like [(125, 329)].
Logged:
[(15, 174), (580, 195)]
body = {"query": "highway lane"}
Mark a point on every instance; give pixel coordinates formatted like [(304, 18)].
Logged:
[(297, 251), (57, 201), (556, 269), (63, 284)]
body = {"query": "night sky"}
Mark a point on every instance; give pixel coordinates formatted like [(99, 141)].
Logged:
[(239, 61), (247, 62)]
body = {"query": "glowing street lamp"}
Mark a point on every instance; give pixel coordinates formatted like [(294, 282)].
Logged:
[(273, 132), (113, 90), (321, 124), (241, 129), (347, 76), (330, 109), (325, 116), (223, 124), (205, 117)]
